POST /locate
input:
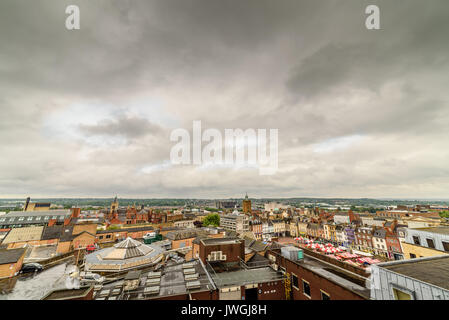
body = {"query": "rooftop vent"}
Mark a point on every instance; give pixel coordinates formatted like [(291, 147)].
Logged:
[(152, 275), (153, 281), (193, 284), (190, 277), (152, 290), (189, 271), (188, 265)]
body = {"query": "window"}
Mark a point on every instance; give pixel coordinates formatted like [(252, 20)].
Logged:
[(430, 243), (445, 245), (2, 219), (30, 218), (401, 295), (21, 218), (325, 295), (412, 256), (108, 236), (55, 217), (12, 219), (416, 240), (46, 218), (306, 288), (295, 281), (38, 218)]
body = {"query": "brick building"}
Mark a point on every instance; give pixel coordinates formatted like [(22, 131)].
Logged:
[(11, 262), (310, 278)]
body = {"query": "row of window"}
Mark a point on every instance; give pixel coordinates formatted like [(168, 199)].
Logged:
[(30, 218), (430, 243), (306, 290)]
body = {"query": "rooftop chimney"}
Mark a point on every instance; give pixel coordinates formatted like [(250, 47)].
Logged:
[(26, 204)]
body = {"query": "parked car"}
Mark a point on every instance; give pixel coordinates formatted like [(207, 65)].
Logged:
[(91, 248), (31, 267), (90, 278)]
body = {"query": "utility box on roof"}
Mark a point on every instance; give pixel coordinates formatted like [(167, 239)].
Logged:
[(292, 253)]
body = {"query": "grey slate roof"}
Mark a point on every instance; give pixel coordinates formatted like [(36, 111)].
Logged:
[(380, 233), (38, 213), (255, 245), (66, 233), (33, 217), (11, 255), (53, 232)]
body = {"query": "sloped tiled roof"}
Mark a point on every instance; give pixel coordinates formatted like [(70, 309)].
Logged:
[(66, 234), (11, 255), (275, 246), (24, 234), (258, 260), (53, 232), (380, 233)]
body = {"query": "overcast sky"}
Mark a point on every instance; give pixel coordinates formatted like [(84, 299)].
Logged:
[(88, 113)]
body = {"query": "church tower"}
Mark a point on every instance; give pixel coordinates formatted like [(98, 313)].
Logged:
[(114, 205), (246, 204)]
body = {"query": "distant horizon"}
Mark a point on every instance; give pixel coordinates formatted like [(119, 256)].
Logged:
[(228, 198)]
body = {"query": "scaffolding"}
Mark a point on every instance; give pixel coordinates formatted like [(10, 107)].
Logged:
[(288, 288)]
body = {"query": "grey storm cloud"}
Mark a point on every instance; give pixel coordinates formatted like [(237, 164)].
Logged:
[(129, 127), (360, 113)]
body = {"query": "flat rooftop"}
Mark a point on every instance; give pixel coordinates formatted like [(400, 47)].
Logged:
[(336, 274), (215, 241), (433, 270), (242, 277), (64, 294), (173, 281)]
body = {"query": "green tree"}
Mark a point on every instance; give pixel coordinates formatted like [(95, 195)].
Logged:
[(444, 214), (212, 220)]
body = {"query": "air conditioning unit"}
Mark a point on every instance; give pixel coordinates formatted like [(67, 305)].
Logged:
[(216, 256)]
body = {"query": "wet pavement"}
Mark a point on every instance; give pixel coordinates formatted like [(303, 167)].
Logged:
[(34, 286)]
